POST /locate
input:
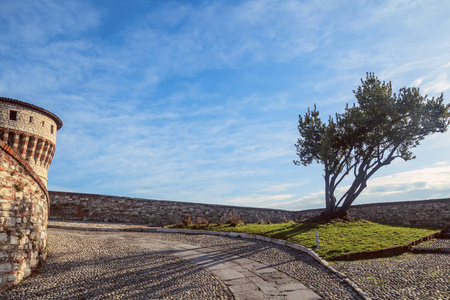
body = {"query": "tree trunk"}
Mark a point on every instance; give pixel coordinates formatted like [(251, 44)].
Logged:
[(330, 200)]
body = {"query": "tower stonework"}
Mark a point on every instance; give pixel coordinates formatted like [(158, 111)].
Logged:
[(27, 146), (31, 131)]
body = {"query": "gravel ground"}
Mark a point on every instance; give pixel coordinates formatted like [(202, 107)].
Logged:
[(293, 263), (435, 244), (407, 276), (103, 269)]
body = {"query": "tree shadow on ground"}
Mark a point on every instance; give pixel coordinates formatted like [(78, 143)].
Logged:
[(141, 274)]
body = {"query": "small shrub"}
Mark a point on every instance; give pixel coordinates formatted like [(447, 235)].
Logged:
[(203, 222), (262, 221), (233, 219), (187, 221), (285, 220)]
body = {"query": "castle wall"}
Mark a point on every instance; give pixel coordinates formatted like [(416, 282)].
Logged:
[(100, 208), (27, 146), (424, 213), (23, 218)]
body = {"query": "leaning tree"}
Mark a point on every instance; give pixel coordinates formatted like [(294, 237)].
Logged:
[(381, 127)]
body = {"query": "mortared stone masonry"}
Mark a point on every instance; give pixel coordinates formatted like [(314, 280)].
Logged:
[(27, 146)]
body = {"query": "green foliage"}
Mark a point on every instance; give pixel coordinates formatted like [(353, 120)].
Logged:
[(233, 219), (335, 238), (187, 221), (381, 127), (201, 222)]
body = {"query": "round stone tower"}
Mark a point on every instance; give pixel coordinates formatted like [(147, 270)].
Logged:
[(27, 145), (31, 131)]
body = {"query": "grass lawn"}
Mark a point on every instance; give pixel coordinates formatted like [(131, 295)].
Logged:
[(335, 239)]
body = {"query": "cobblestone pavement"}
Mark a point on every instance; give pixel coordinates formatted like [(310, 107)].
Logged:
[(295, 264), (89, 268), (94, 268), (443, 245), (407, 276)]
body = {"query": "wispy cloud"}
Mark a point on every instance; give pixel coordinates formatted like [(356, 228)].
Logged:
[(199, 101), (435, 178), (312, 200), (277, 188), (259, 199), (439, 84), (38, 22), (396, 187)]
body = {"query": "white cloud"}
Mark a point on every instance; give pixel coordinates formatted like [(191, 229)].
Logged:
[(436, 178), (259, 199), (277, 188), (143, 191), (417, 82), (312, 200), (39, 21), (401, 186), (438, 85), (199, 101)]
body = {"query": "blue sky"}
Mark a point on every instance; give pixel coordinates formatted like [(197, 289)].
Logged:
[(199, 100)]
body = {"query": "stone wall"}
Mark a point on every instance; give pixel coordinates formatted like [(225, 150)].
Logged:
[(23, 218), (435, 212), (88, 207), (422, 213), (100, 208)]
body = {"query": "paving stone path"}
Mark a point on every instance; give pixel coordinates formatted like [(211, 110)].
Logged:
[(246, 278), (152, 265)]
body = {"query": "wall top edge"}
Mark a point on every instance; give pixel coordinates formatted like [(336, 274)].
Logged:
[(57, 120), (402, 202)]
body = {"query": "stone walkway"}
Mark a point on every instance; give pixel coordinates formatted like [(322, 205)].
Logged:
[(105, 265), (302, 267), (153, 265), (246, 279)]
